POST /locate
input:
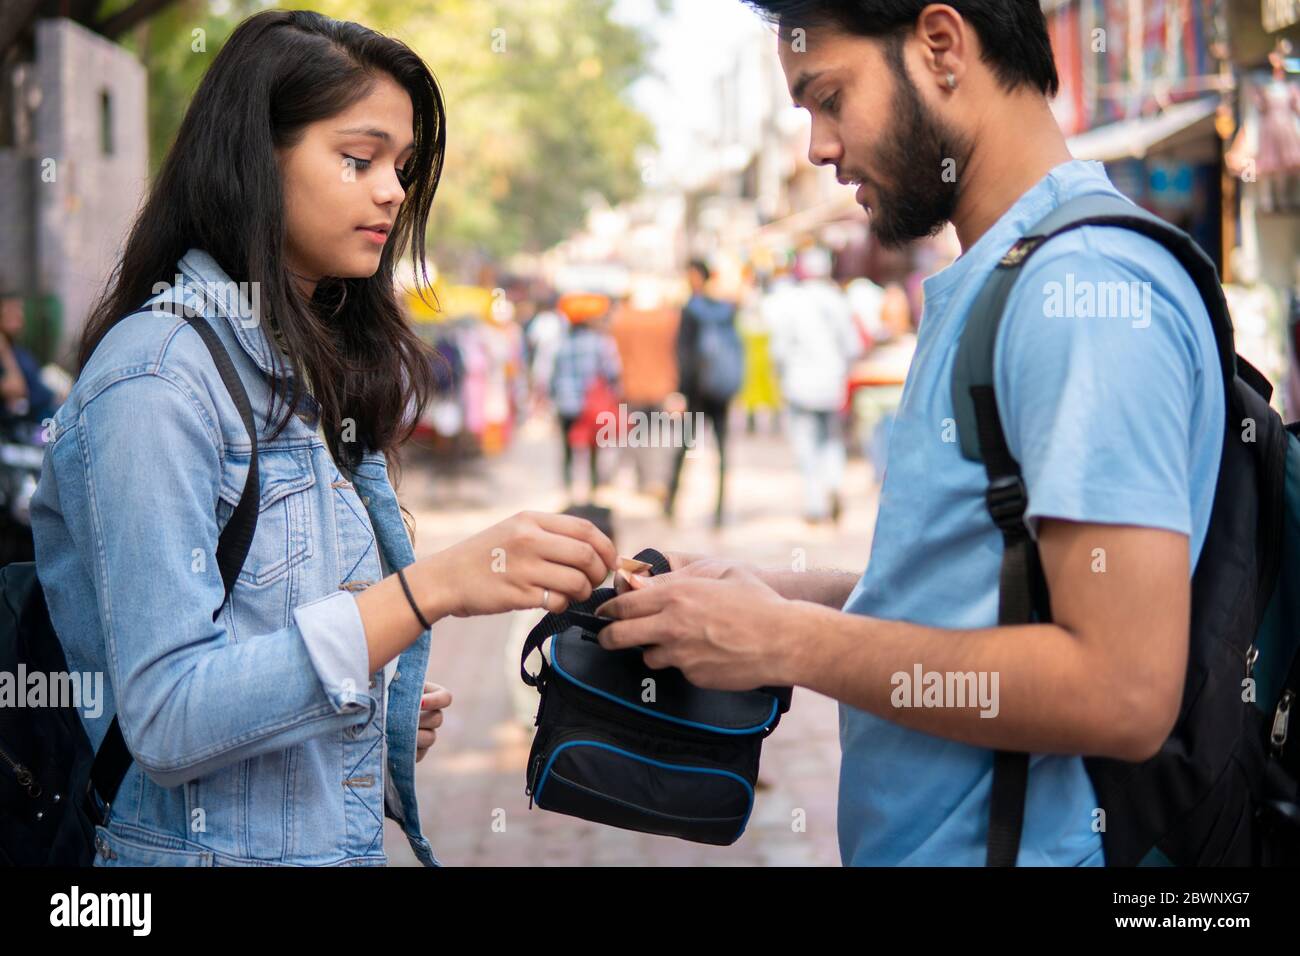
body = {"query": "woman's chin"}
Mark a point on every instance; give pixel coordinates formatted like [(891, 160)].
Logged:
[(361, 267)]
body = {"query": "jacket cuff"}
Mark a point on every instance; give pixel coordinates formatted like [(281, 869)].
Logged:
[(336, 643)]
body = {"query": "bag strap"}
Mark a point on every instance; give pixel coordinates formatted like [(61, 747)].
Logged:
[(554, 623), (1022, 588), (112, 760)]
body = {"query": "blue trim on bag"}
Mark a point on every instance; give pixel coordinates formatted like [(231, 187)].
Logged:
[(546, 772), (555, 662)]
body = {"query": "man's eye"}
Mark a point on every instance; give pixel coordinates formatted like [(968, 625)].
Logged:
[(828, 105), (356, 162)]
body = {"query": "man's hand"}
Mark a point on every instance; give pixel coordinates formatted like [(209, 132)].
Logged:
[(435, 699), (719, 626), (831, 588), (685, 564)]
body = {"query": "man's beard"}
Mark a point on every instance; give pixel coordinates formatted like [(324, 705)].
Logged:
[(921, 160)]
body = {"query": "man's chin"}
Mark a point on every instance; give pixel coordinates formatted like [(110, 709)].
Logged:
[(893, 235)]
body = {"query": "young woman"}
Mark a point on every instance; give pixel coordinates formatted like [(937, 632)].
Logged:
[(281, 726)]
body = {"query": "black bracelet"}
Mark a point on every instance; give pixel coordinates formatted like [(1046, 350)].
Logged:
[(414, 607)]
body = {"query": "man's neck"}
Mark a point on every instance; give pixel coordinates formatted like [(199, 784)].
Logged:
[(1017, 145)]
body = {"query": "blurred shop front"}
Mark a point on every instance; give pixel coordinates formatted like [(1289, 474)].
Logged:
[(1142, 85), (1265, 153), (1264, 159)]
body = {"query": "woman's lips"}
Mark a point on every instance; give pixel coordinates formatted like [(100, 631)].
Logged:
[(374, 235)]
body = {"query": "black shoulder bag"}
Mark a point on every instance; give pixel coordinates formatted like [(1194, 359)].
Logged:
[(621, 744)]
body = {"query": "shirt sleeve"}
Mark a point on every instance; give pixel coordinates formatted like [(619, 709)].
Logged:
[(190, 698), (1097, 369)]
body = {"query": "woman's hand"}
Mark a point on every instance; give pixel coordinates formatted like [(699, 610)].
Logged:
[(516, 564), (436, 698)]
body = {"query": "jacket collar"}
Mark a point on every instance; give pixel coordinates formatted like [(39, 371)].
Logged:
[(240, 306)]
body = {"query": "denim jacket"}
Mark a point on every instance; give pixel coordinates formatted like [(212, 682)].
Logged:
[(260, 738)]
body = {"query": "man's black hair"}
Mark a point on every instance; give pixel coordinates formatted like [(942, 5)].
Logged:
[(700, 266), (1012, 33)]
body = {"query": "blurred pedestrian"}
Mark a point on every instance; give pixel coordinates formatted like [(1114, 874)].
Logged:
[(710, 364), (814, 343), (21, 389), (646, 340), (586, 380), (543, 334)]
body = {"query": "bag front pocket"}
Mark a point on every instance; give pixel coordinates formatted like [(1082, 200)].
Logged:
[(603, 781)]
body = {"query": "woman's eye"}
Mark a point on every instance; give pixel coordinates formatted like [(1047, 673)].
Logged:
[(356, 162), (404, 177)]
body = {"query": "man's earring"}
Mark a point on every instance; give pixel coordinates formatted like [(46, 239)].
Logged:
[(951, 79)]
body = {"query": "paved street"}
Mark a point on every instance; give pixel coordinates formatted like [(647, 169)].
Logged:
[(471, 784)]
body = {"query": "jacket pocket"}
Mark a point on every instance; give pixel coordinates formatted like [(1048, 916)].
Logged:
[(284, 535), (112, 848)]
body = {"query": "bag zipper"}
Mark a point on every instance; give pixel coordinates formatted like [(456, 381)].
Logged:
[(1281, 720), (26, 779), (583, 699), (597, 706)]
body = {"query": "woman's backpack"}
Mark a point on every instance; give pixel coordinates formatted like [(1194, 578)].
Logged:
[(54, 789)]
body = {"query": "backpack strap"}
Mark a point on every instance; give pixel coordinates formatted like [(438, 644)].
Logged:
[(554, 623), (1022, 588), (974, 360), (112, 760)]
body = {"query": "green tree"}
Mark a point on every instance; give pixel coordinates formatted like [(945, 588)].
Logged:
[(177, 46), (538, 120)]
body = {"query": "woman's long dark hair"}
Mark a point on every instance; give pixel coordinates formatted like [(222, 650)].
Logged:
[(220, 190)]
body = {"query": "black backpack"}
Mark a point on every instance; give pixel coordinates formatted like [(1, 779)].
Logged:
[(54, 789), (716, 365), (1223, 790)]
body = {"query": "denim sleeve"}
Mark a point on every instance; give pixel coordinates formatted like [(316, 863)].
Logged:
[(1098, 365), (143, 460)]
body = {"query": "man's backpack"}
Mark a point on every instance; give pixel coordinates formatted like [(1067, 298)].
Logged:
[(719, 355), (1225, 787), (54, 789)]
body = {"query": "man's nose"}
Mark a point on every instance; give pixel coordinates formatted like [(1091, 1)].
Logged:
[(823, 147)]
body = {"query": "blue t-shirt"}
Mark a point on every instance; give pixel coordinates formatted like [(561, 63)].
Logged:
[(1115, 411)]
